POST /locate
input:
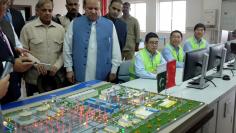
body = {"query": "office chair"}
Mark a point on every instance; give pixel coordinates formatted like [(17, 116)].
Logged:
[(123, 73)]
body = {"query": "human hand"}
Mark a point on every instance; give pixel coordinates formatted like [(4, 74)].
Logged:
[(112, 77), (4, 83), (22, 64), (22, 51), (70, 77), (53, 71), (41, 69)]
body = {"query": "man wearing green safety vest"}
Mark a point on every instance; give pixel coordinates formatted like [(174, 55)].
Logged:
[(173, 50), (146, 61), (197, 41)]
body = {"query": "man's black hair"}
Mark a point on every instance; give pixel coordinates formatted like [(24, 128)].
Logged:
[(118, 1), (199, 25), (150, 35), (176, 31), (127, 3)]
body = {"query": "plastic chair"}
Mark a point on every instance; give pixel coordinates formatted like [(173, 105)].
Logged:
[(123, 72)]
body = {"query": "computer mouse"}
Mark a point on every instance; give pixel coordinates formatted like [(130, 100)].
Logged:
[(226, 77)]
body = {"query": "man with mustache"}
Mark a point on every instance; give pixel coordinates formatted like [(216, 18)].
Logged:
[(44, 39), (72, 7)]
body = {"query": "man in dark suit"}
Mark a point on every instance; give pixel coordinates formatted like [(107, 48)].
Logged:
[(115, 9), (21, 64), (15, 18), (8, 53)]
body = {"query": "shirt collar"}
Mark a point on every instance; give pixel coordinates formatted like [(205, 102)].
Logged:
[(176, 48), (39, 23), (91, 22), (112, 19), (197, 40), (149, 54), (8, 10)]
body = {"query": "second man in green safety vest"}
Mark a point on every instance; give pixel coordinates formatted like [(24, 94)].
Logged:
[(146, 61), (197, 41), (174, 50)]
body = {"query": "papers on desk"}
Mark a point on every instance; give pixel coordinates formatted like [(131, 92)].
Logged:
[(168, 103)]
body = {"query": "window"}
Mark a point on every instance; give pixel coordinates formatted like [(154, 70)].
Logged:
[(172, 16), (138, 10)]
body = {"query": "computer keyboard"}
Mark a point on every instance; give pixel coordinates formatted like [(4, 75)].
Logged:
[(197, 81), (230, 65)]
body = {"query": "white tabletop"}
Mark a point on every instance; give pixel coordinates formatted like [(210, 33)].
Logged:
[(207, 95)]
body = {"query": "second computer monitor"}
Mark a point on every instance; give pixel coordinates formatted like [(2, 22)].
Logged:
[(196, 64), (215, 56), (229, 55), (193, 63)]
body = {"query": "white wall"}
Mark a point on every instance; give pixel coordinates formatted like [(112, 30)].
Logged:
[(194, 14), (59, 5), (228, 18)]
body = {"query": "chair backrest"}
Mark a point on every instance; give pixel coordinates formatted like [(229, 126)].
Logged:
[(123, 73)]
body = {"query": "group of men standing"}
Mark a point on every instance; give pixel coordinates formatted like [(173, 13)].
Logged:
[(89, 46)]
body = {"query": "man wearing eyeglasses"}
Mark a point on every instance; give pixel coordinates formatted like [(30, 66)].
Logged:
[(96, 51), (146, 61), (196, 41)]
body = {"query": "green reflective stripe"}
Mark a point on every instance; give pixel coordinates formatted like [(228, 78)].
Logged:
[(180, 56), (132, 76), (195, 45), (132, 70), (149, 65)]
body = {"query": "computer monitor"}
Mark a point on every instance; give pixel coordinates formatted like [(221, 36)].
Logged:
[(196, 64), (229, 55), (217, 55), (233, 50)]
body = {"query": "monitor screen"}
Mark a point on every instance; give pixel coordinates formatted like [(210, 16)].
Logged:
[(215, 54), (229, 55), (193, 63), (233, 48)]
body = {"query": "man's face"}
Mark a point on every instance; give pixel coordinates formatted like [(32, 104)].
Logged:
[(126, 9), (175, 39), (152, 45), (11, 2), (115, 10), (92, 9), (3, 7), (45, 13), (199, 32), (72, 6)]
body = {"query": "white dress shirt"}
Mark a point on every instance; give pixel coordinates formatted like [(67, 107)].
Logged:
[(92, 52), (17, 41)]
